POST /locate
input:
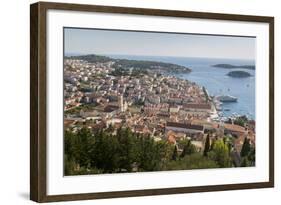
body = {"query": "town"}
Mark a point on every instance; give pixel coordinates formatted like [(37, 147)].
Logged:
[(101, 95)]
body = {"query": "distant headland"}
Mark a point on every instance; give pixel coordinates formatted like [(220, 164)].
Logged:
[(229, 66), (126, 64)]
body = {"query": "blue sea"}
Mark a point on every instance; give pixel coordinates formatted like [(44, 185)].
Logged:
[(215, 80)]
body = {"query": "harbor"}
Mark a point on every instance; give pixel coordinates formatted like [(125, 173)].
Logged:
[(216, 81)]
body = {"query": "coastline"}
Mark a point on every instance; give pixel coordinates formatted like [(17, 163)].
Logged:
[(161, 108), (243, 107), (219, 84)]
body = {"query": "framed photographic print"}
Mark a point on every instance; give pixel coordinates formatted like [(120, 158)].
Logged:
[(134, 102)]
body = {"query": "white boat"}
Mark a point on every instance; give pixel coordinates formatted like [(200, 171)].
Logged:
[(226, 98), (219, 108)]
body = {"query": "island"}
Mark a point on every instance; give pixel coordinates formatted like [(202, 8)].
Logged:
[(124, 65), (239, 74), (229, 66)]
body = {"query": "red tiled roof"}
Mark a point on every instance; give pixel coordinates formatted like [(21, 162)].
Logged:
[(68, 122), (197, 106), (233, 127), (186, 126)]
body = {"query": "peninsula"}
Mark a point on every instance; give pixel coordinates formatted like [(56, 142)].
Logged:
[(125, 64), (229, 66)]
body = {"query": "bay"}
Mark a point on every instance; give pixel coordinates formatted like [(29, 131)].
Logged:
[(215, 80)]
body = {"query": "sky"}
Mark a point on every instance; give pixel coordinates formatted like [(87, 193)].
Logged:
[(110, 42)]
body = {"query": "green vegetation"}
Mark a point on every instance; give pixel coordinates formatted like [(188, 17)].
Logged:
[(73, 110), (139, 103), (151, 65), (247, 154), (220, 153), (138, 65), (175, 154), (229, 66), (188, 148), (91, 58), (88, 152), (126, 72), (102, 152), (193, 161), (242, 120), (207, 145), (239, 74), (84, 107)]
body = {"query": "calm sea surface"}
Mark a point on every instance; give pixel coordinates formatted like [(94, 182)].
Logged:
[(216, 81)]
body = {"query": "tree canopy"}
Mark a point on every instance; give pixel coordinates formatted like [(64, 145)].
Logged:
[(88, 152)]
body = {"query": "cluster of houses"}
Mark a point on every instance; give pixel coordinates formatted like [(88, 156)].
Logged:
[(164, 107)]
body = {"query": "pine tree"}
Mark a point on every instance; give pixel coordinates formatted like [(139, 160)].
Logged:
[(175, 153), (245, 148), (207, 146), (245, 162), (183, 152), (220, 154), (252, 156)]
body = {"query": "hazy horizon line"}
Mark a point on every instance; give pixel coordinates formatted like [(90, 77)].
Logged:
[(108, 55)]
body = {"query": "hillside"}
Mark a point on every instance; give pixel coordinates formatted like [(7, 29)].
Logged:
[(136, 64)]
